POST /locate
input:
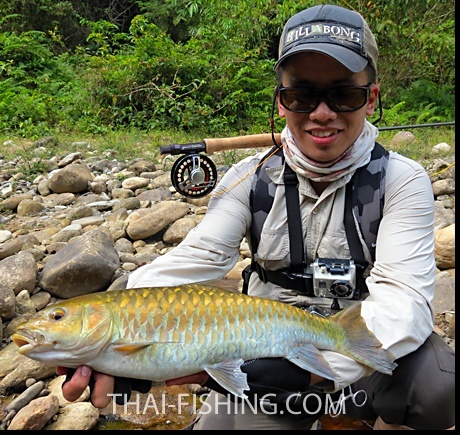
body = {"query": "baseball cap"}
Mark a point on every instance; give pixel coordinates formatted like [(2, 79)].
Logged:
[(332, 30)]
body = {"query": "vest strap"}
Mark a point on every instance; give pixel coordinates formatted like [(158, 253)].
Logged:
[(286, 278), (294, 220), (356, 203)]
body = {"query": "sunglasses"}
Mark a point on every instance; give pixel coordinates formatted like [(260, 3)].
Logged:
[(339, 99)]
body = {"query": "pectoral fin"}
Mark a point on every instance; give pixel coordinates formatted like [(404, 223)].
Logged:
[(309, 358), (128, 348), (229, 376)]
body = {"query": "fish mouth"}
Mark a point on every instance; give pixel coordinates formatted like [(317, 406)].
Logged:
[(24, 342)]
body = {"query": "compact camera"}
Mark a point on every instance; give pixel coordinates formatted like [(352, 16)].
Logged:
[(334, 278)]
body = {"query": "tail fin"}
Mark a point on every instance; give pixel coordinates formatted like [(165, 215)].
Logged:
[(362, 344)]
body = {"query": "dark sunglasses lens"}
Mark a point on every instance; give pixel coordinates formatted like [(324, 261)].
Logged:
[(305, 100), (299, 100), (347, 100)]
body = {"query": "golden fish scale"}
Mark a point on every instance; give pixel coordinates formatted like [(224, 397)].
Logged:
[(164, 333), (186, 320)]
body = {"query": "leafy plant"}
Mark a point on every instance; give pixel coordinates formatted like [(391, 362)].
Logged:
[(190, 65)]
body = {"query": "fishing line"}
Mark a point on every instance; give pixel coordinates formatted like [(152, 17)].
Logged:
[(275, 149), (227, 189)]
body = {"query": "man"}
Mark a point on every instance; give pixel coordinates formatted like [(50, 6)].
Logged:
[(327, 86)]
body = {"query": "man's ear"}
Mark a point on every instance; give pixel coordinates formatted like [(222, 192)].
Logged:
[(373, 99), (276, 99)]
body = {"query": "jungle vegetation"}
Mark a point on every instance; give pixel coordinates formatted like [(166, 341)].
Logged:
[(99, 66)]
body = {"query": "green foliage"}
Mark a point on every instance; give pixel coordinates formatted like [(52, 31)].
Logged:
[(422, 102), (155, 83), (156, 65), (104, 37), (416, 41), (27, 80), (25, 55), (423, 93), (37, 89), (61, 19)]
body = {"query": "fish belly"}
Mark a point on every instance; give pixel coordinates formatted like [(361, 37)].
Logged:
[(173, 333)]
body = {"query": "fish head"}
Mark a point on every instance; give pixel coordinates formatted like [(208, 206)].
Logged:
[(69, 333)]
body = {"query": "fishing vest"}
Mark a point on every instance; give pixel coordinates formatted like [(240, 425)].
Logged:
[(364, 201)]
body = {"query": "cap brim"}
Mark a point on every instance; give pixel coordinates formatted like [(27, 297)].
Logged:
[(348, 58)]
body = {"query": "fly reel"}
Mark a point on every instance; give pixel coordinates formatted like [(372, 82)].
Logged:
[(194, 175)]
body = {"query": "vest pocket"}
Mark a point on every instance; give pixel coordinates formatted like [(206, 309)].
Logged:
[(274, 245)]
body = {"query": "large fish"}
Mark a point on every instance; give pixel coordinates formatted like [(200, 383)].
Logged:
[(169, 332)]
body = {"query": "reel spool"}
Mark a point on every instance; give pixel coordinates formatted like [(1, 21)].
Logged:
[(194, 175)]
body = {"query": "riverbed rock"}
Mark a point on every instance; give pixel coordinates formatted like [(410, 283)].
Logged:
[(85, 265), (19, 272), (91, 229), (78, 416), (36, 414)]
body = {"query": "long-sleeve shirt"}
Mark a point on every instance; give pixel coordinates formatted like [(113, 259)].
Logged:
[(397, 308)]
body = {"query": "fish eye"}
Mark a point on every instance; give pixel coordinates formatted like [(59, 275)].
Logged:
[(57, 314)]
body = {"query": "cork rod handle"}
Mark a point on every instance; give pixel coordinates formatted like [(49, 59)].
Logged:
[(239, 142)]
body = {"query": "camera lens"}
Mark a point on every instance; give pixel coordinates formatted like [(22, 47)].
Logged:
[(341, 289)]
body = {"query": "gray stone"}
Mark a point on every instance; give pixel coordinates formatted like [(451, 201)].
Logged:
[(19, 272), (85, 265)]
